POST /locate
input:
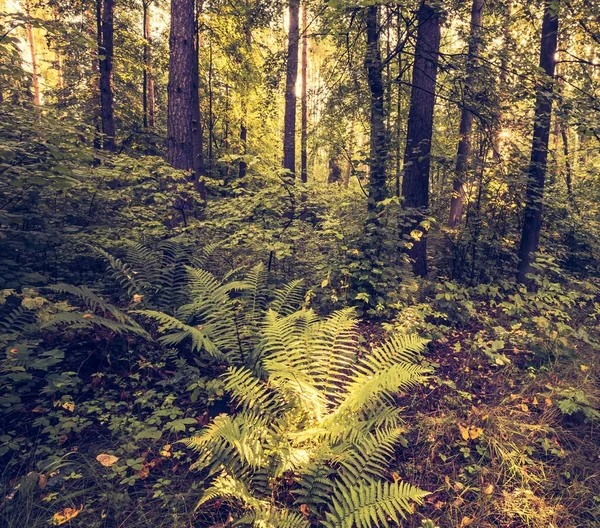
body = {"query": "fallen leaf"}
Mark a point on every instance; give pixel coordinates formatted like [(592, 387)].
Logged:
[(464, 432), (42, 481), (69, 406), (106, 460), (535, 401), (305, 510), (489, 489), (87, 316), (137, 298), (584, 368), (548, 402), (524, 408), (466, 521), (65, 515), (475, 432)]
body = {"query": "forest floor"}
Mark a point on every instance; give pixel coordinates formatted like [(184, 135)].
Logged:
[(495, 445)]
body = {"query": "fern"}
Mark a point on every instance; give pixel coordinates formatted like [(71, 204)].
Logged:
[(371, 504), (312, 410)]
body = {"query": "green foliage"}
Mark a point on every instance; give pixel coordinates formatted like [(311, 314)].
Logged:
[(316, 418)]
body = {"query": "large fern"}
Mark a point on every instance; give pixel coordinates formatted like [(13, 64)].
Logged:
[(312, 411)]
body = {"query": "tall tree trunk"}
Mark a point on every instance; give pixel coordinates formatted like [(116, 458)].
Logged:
[(244, 104), (180, 86), (565, 142), (502, 84), (95, 27), (106, 53), (289, 126), (34, 64), (532, 221), (457, 203), (211, 116), (378, 146), (197, 143), (415, 185), (398, 154), (303, 101), (148, 95)]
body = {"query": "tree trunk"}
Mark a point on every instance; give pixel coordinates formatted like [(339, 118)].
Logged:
[(502, 84), (378, 146), (180, 87), (565, 142), (197, 143), (289, 126), (303, 101), (34, 64), (457, 203), (106, 53), (532, 221), (415, 184), (148, 95), (244, 120)]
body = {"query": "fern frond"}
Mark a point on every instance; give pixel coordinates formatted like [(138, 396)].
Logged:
[(370, 504), (397, 349), (79, 321), (119, 271), (251, 392), (181, 331), (17, 321), (369, 456), (288, 298), (315, 486)]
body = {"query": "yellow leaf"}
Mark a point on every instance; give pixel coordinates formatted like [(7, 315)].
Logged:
[(548, 402), (324, 283), (106, 460), (87, 316), (166, 451), (524, 408), (466, 521), (475, 432), (584, 368), (69, 406), (65, 515), (535, 401), (489, 489), (137, 298), (464, 432)]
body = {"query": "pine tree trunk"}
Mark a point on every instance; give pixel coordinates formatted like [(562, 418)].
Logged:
[(378, 147), (106, 52), (148, 95), (303, 101), (180, 87), (532, 221), (197, 143), (415, 185), (457, 203), (289, 126)]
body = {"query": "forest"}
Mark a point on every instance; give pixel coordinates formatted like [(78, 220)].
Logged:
[(300, 263)]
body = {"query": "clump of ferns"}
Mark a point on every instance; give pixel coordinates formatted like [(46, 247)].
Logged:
[(316, 420)]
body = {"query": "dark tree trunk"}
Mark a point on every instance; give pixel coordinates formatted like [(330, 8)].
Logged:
[(198, 161), (289, 126), (532, 221), (565, 142), (106, 52), (180, 88), (463, 155), (415, 184), (378, 146), (304, 109), (148, 95)]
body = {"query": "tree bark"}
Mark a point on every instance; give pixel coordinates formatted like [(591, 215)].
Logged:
[(532, 221), (463, 155), (180, 87), (303, 101), (415, 184), (244, 104), (289, 126), (197, 143), (378, 146), (148, 89), (106, 53)]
